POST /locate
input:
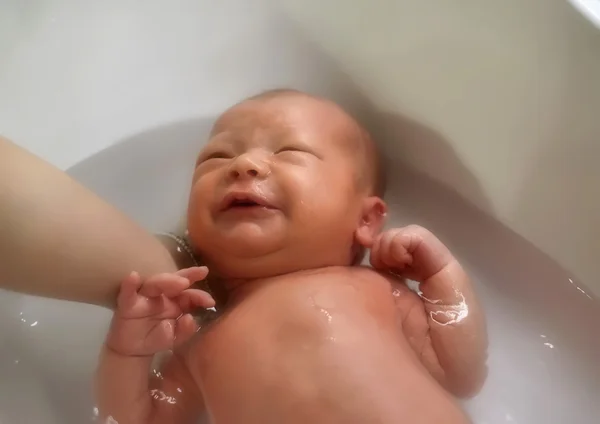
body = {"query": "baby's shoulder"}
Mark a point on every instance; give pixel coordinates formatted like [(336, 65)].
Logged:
[(368, 272), (404, 291), (353, 272)]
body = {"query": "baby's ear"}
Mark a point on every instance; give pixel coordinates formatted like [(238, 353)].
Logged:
[(371, 221)]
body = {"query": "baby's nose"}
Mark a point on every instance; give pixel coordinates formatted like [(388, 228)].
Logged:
[(248, 166)]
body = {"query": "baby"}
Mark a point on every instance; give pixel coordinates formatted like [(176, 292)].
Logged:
[(285, 199)]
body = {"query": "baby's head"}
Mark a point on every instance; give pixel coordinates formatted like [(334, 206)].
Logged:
[(287, 182)]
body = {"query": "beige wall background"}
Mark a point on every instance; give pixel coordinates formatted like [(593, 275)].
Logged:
[(509, 92)]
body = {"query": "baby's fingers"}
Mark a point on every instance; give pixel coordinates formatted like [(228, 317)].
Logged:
[(400, 250), (129, 291), (192, 299), (375, 255), (171, 285), (185, 328), (381, 253), (194, 274)]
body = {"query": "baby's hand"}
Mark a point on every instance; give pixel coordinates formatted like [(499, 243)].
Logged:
[(410, 252), (153, 315)]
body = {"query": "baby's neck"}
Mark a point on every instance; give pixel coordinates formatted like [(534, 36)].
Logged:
[(235, 290)]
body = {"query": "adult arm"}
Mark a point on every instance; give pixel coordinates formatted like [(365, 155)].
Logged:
[(59, 240)]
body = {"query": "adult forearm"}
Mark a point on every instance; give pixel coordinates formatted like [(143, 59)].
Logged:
[(59, 240)]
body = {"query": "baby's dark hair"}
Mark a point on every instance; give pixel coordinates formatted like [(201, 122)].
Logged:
[(374, 174)]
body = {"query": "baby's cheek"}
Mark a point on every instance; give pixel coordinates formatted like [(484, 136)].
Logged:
[(197, 217), (193, 210), (201, 195)]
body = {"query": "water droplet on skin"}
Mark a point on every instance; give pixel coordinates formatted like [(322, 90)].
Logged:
[(543, 336), (327, 314), (453, 314), (162, 396), (34, 324)]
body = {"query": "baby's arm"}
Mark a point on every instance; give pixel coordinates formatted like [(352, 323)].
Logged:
[(454, 333), (130, 395), (59, 240), (151, 317)]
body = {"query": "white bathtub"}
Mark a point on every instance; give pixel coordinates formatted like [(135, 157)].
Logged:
[(543, 327), (76, 79)]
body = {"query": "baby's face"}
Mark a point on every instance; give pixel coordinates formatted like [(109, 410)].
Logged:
[(275, 189)]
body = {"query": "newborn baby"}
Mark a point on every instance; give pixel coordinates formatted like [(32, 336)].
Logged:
[(285, 200)]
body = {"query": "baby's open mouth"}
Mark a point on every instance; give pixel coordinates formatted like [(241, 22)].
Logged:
[(243, 204), (245, 201)]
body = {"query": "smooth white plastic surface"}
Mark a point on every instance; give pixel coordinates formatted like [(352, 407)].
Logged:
[(590, 9)]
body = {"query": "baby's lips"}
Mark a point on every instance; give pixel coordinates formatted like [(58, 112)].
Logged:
[(252, 195)]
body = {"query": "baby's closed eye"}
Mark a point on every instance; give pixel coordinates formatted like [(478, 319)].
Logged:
[(214, 155), (289, 149), (295, 151)]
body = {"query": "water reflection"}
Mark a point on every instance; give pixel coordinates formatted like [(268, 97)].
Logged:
[(580, 289), (162, 396), (25, 321)]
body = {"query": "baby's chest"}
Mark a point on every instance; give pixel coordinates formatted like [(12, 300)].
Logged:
[(324, 347), (306, 318)]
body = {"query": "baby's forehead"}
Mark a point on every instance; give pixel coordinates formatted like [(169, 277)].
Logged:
[(285, 116), (295, 116)]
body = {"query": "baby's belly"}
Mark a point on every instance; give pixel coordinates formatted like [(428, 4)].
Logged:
[(322, 347)]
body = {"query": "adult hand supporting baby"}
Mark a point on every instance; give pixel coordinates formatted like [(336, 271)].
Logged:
[(59, 240), (457, 329)]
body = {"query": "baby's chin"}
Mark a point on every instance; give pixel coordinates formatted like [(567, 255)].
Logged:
[(249, 239)]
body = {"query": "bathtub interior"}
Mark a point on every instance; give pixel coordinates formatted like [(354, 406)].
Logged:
[(544, 346)]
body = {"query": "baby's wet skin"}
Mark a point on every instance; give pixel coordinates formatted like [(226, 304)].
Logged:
[(289, 182), (323, 346)]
